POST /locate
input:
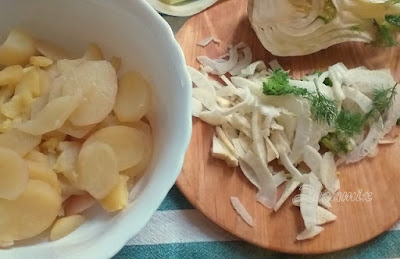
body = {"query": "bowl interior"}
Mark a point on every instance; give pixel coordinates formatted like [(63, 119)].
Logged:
[(129, 29)]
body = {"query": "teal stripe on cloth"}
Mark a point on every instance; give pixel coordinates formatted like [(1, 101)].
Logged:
[(385, 246), (175, 201)]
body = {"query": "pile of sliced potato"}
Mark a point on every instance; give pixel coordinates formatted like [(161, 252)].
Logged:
[(71, 134)]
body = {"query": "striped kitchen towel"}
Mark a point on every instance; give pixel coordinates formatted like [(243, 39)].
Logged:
[(177, 230)]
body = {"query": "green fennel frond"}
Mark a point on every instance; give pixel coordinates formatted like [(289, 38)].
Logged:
[(382, 99), (349, 123), (384, 35), (393, 19), (323, 109), (278, 84)]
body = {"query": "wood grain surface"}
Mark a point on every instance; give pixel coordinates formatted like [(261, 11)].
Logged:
[(208, 183)]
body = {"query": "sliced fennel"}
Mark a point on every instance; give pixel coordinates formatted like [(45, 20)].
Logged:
[(262, 115)]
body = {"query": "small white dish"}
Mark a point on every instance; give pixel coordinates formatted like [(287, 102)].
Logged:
[(132, 30)]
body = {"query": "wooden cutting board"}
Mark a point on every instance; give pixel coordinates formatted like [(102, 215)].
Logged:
[(208, 183)]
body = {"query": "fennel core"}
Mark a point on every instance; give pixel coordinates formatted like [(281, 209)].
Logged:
[(346, 124)]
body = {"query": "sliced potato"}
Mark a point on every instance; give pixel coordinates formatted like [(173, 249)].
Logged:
[(50, 145), (65, 226), (52, 159), (93, 52), (6, 92), (14, 174), (67, 160), (17, 49), (39, 204), (52, 117), (127, 143), (38, 104), (97, 169), (25, 91), (44, 82), (18, 141), (52, 51), (141, 125), (67, 189), (100, 91), (15, 107), (117, 199), (137, 170), (78, 203), (30, 83), (133, 97), (37, 156), (40, 61), (11, 75), (98, 82), (60, 81), (76, 131), (112, 120), (41, 171), (8, 124), (116, 63), (55, 134)]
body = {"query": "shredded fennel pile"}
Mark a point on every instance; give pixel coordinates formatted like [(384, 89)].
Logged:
[(301, 27), (262, 115)]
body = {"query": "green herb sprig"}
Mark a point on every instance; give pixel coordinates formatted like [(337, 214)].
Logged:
[(323, 109), (382, 99)]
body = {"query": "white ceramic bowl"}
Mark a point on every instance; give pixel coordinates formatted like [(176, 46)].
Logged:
[(132, 30)]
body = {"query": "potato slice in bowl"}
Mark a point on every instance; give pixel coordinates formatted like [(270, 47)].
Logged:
[(17, 49), (133, 97), (13, 174), (53, 115), (11, 75), (66, 225), (43, 172), (76, 131), (19, 141), (136, 170), (126, 142), (98, 82), (93, 52), (66, 161), (97, 169), (40, 204), (117, 199)]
